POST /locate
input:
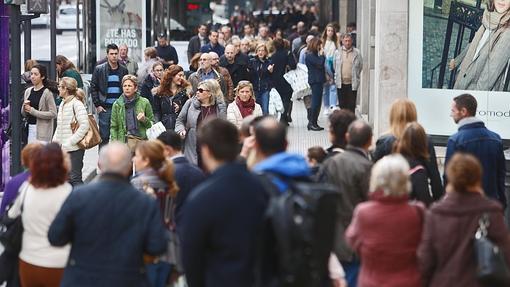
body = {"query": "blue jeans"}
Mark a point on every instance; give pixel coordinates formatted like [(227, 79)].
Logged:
[(351, 269), (262, 99), (158, 273), (329, 95), (104, 125)]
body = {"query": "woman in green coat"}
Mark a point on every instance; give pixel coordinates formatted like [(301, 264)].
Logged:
[(66, 68), (131, 114)]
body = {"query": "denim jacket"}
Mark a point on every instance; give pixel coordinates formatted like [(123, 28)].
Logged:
[(474, 138)]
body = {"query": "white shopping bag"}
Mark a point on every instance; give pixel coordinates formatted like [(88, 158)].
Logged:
[(156, 129), (275, 103), (298, 80)]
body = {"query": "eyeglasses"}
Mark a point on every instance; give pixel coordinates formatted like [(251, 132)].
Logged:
[(158, 70), (200, 90)]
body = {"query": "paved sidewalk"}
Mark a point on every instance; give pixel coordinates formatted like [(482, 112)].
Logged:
[(300, 139)]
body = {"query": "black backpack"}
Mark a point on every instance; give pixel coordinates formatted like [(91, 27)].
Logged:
[(298, 234)]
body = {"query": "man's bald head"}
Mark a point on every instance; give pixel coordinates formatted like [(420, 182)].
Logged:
[(359, 134), (115, 157), (214, 58), (270, 136), (230, 53), (301, 27)]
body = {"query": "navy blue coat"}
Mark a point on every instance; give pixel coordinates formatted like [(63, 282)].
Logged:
[(219, 230), (110, 225), (218, 49), (487, 147), (316, 70), (188, 177), (260, 76)]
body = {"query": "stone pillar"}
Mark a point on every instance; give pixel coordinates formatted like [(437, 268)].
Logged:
[(391, 53), (343, 7), (366, 45)]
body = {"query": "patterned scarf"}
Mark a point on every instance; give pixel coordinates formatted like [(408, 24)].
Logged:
[(246, 108)]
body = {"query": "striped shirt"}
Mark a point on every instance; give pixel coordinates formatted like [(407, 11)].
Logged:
[(114, 89)]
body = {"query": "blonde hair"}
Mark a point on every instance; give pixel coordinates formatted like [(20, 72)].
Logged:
[(72, 88), (262, 45), (391, 176), (402, 112), (130, 78), (243, 84), (214, 88)]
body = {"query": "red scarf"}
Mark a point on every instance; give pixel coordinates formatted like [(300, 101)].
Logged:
[(246, 108)]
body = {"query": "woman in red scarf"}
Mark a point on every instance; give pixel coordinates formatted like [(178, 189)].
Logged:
[(243, 105)]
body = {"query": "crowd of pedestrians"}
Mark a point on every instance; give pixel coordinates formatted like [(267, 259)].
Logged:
[(193, 202)]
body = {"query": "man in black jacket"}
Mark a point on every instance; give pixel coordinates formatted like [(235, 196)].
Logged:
[(222, 216), (105, 89), (198, 41), (236, 63)]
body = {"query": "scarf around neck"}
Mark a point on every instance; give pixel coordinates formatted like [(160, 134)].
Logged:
[(246, 108), (131, 120), (493, 21)]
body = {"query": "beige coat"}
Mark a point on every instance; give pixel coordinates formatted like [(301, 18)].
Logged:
[(67, 111), (234, 115), (45, 115)]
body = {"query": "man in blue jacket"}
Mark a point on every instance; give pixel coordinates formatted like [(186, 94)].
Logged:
[(474, 138), (110, 226), (222, 216)]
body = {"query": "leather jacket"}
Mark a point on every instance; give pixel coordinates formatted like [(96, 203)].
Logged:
[(99, 83)]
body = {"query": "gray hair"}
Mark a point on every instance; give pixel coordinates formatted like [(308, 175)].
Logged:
[(391, 175), (115, 157)]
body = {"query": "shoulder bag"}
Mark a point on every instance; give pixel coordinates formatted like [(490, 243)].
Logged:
[(92, 137), (492, 269)]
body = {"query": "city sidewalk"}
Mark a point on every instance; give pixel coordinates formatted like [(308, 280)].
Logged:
[(300, 139)]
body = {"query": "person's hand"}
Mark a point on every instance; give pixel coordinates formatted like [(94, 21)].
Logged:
[(140, 117), (452, 64), (154, 91), (270, 68), (100, 109), (27, 108), (248, 145), (176, 108), (182, 134)]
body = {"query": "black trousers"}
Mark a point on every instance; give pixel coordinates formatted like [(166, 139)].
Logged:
[(75, 175), (347, 97)]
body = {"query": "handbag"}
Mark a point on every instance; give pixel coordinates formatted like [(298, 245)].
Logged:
[(11, 229), (492, 269), (92, 137)]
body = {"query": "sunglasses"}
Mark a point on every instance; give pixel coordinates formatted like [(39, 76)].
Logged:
[(200, 90)]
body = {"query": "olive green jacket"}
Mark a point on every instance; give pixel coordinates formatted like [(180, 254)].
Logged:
[(118, 129)]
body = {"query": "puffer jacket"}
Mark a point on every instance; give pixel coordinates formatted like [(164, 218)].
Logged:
[(69, 110), (234, 114)]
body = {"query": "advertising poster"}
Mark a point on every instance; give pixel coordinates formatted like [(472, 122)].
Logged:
[(121, 22), (457, 47)]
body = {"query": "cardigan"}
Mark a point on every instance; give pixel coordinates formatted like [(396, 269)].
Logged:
[(45, 115)]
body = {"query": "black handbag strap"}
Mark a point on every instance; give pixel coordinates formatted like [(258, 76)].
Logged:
[(24, 191)]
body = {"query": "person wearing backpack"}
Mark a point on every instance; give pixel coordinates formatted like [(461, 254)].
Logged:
[(305, 233), (349, 172)]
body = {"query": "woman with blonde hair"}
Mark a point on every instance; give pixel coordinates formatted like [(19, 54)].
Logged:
[(171, 96), (388, 256), (207, 104), (244, 104), (72, 110), (446, 253), (402, 112), (261, 68), (155, 176)]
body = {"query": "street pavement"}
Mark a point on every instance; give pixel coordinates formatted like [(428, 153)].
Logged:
[(299, 138)]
